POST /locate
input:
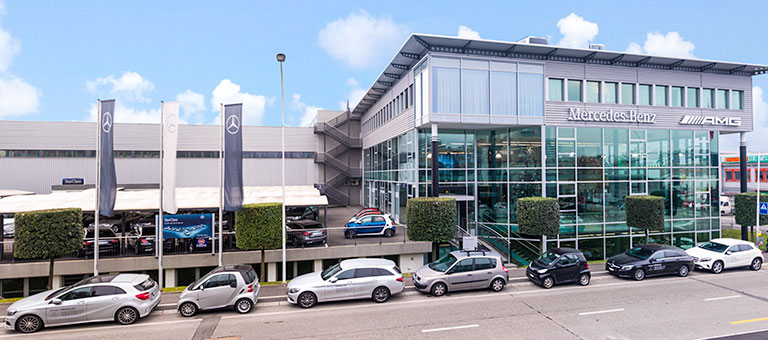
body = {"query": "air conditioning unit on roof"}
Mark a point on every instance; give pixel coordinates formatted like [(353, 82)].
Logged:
[(534, 40)]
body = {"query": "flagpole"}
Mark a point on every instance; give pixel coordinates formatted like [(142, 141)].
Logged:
[(221, 186), (159, 227), (98, 188), (757, 199), (281, 59)]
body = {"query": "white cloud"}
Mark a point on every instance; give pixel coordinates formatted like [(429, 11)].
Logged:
[(17, 97), (468, 33), (354, 94), (128, 114), (755, 139), (130, 86), (309, 112), (361, 39), (192, 105), (228, 92), (576, 31), (667, 45)]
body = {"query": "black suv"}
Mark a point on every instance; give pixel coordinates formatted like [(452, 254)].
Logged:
[(559, 265), (650, 260), (305, 232)]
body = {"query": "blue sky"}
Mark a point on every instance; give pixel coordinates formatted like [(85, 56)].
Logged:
[(57, 58)]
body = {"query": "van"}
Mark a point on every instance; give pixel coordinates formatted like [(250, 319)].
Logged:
[(726, 208)]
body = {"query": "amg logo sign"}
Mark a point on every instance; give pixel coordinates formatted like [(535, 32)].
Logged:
[(710, 120), (631, 116)]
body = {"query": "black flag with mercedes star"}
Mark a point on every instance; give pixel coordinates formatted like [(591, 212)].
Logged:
[(233, 157), (107, 178)]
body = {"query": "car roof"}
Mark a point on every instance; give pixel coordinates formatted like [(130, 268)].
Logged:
[(460, 254), (655, 247), (357, 263), (231, 268), (564, 250), (729, 241), (130, 278)]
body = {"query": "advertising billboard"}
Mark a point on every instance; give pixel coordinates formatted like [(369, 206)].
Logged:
[(187, 226)]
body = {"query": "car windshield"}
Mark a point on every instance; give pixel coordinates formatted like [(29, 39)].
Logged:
[(548, 258), (639, 253), (57, 292), (713, 246), (330, 272), (443, 263)]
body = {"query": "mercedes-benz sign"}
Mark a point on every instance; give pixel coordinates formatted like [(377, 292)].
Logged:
[(710, 120)]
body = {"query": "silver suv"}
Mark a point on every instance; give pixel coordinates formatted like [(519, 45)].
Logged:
[(461, 270), (124, 298), (375, 279), (224, 287)]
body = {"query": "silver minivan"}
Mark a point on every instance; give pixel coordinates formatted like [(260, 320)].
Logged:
[(462, 270), (224, 287), (375, 279)]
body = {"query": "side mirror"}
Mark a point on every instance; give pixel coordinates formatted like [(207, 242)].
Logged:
[(56, 301), (728, 252), (333, 280)]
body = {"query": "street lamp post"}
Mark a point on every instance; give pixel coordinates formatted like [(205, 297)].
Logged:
[(281, 59)]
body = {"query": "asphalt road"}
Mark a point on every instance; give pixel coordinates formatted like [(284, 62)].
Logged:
[(731, 305)]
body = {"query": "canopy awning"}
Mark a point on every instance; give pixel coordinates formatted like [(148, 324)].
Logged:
[(12, 192), (148, 199)]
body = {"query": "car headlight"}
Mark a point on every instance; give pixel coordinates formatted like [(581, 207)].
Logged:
[(10, 312), (294, 290), (705, 259), (542, 271), (626, 267)]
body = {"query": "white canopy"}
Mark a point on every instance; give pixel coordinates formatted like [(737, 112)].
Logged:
[(148, 199), (12, 192)]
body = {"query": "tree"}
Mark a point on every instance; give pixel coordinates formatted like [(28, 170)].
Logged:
[(431, 219), (48, 234), (258, 226), (746, 210), (645, 212), (538, 216)]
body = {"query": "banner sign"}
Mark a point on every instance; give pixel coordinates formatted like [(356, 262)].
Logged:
[(630, 116), (750, 159), (72, 181), (108, 180), (187, 226), (233, 157)]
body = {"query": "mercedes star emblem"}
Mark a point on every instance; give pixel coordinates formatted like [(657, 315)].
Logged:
[(173, 122), (106, 122), (233, 124)]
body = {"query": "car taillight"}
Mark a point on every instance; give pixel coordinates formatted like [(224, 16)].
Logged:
[(84, 243), (505, 269), (113, 241), (306, 233), (250, 288), (399, 279), (325, 232), (143, 296), (587, 265), (144, 241)]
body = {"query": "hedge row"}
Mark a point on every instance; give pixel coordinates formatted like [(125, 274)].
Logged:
[(746, 209), (47, 234), (538, 215), (645, 212), (258, 226), (431, 219)]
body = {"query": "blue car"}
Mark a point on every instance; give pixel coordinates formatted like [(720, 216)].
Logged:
[(370, 225)]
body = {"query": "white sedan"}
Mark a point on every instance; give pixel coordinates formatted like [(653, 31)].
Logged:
[(722, 253)]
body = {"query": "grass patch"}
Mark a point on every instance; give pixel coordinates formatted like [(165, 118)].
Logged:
[(736, 234), (173, 289), (10, 300)]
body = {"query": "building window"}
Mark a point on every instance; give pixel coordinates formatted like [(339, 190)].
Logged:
[(627, 93), (593, 91), (611, 95), (661, 95), (737, 100), (531, 94), (645, 94), (692, 97), (475, 92), (447, 91), (555, 89), (722, 99), (504, 96), (707, 98), (574, 90), (676, 97)]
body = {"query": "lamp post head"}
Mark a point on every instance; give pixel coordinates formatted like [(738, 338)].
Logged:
[(280, 57)]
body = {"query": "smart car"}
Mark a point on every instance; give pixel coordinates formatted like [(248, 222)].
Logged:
[(559, 265), (370, 225), (224, 287)]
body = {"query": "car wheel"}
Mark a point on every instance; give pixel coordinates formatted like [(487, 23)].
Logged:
[(188, 309), (639, 275), (497, 285), (380, 294), (717, 267), (126, 315), (584, 279), (307, 300), (439, 289), (243, 306), (295, 242), (683, 271), (389, 233), (29, 324), (350, 234), (548, 282), (757, 263)]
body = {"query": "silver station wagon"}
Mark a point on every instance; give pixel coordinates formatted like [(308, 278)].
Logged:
[(376, 279), (462, 270), (124, 298)]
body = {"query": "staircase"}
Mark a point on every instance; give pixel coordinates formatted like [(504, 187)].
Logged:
[(330, 158), (520, 252)]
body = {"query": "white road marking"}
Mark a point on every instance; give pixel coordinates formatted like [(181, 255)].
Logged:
[(603, 311), (90, 329), (448, 328), (723, 298)]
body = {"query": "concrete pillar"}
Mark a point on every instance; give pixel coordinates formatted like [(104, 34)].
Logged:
[(435, 163), (25, 287), (58, 281), (743, 171), (271, 272), (318, 265), (170, 277)]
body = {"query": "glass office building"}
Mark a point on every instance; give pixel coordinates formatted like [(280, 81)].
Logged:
[(513, 125)]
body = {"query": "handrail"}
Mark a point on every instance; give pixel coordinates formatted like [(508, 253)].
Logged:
[(520, 240)]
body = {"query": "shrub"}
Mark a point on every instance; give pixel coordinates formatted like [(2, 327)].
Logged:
[(746, 209), (431, 219), (258, 226), (538, 216), (48, 234), (645, 212)]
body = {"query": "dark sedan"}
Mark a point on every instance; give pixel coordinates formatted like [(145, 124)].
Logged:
[(306, 232), (650, 260)]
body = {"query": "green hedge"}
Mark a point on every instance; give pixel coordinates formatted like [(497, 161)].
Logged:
[(746, 208), (431, 219), (538, 216), (47, 234), (645, 212), (258, 226)]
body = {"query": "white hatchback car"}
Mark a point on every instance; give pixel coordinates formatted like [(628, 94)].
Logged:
[(722, 253)]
